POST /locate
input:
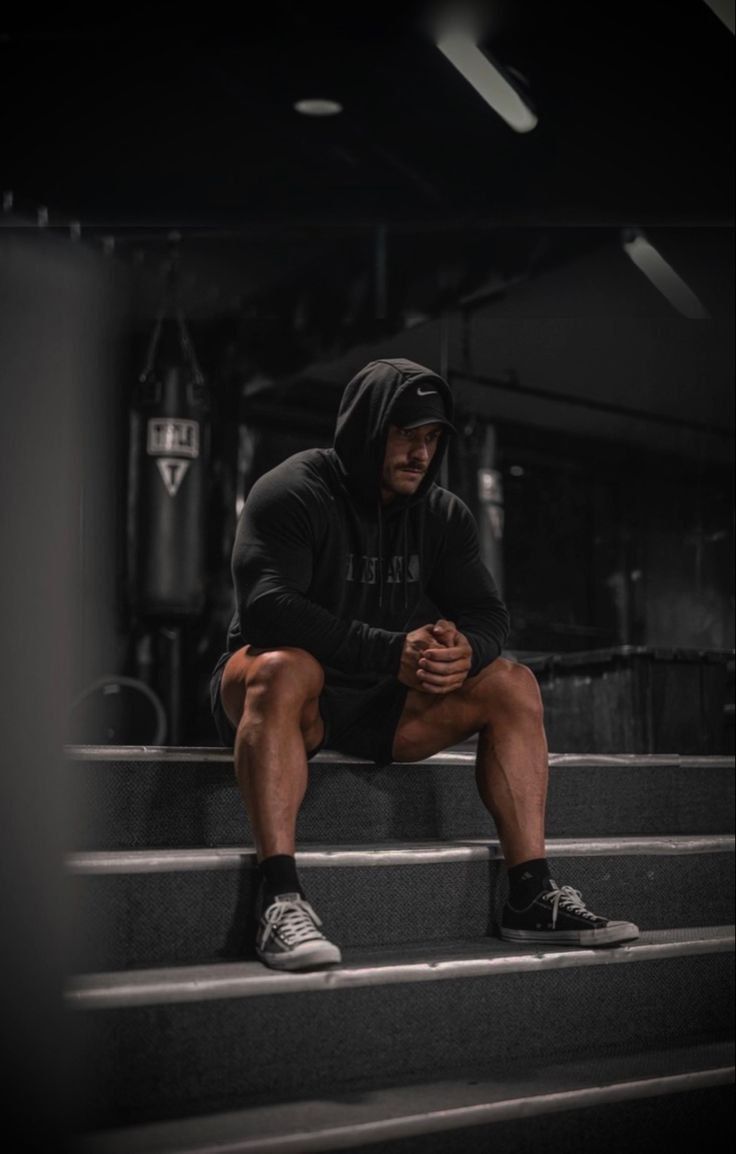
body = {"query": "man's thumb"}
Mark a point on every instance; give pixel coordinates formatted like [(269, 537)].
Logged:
[(444, 631)]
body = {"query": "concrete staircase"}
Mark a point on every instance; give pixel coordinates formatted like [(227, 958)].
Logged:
[(433, 1035)]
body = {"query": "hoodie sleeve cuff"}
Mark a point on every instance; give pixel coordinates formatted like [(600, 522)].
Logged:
[(396, 650), (483, 654)]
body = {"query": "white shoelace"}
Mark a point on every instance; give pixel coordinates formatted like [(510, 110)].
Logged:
[(571, 900), (294, 919)]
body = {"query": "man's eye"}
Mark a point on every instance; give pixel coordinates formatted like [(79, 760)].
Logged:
[(408, 434)]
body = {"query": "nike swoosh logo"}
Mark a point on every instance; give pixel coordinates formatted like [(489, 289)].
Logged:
[(426, 392)]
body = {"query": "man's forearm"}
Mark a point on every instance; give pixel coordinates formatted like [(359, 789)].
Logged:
[(283, 618)]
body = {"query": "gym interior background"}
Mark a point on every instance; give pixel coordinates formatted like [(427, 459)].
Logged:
[(414, 222), (167, 173)]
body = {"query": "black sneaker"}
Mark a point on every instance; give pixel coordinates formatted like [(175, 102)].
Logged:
[(558, 914), (288, 939)]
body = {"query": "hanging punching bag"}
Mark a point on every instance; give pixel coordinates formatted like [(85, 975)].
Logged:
[(168, 472)]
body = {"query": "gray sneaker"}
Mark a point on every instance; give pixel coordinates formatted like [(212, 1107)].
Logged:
[(288, 938)]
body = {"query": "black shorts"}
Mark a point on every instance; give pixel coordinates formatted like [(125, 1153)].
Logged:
[(361, 722)]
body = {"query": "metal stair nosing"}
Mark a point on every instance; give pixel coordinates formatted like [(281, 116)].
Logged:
[(104, 862), (453, 755)]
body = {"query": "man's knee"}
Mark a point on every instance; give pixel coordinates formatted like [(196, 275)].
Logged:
[(264, 679), (509, 686), (284, 674)]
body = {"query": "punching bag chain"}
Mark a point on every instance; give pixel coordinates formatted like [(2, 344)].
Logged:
[(171, 307)]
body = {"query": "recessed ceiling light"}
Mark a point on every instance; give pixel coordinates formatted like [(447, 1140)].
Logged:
[(318, 107)]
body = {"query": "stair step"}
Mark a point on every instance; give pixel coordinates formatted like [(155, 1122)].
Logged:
[(400, 864), (149, 797), (436, 1108), (378, 966), (161, 1042), (144, 908)]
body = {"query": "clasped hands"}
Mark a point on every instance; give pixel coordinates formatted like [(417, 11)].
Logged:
[(436, 658)]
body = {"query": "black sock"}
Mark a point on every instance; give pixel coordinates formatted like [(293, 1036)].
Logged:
[(526, 880), (278, 876)]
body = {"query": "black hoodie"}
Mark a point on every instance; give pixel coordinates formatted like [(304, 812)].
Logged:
[(320, 564)]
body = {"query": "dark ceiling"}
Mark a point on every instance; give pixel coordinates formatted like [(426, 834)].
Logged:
[(163, 120), (417, 195)]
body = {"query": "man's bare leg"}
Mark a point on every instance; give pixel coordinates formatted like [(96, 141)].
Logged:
[(271, 697), (503, 706), (512, 769)]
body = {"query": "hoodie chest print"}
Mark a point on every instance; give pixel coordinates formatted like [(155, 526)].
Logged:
[(364, 569)]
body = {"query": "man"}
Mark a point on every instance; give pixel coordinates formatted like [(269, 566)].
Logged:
[(336, 551)]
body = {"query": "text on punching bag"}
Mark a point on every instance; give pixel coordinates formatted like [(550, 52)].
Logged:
[(167, 436)]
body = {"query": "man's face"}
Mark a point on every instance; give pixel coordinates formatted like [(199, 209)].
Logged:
[(407, 458)]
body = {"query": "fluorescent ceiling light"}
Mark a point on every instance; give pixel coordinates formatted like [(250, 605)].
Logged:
[(663, 276), (487, 80), (724, 10), (318, 107)]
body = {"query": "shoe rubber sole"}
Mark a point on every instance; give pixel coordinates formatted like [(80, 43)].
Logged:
[(309, 954), (613, 932)]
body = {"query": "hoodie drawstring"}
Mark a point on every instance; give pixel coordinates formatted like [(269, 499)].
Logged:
[(404, 535), (405, 557), (380, 556)]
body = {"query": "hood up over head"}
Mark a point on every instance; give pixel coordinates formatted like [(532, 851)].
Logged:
[(363, 421), (361, 433)]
